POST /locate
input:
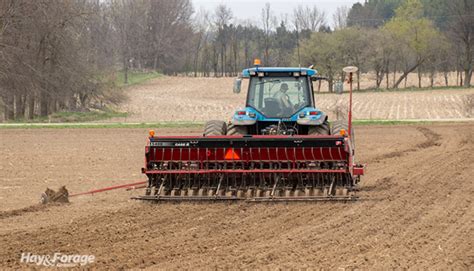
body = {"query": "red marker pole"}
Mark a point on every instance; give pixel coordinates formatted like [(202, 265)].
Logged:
[(350, 70), (350, 105)]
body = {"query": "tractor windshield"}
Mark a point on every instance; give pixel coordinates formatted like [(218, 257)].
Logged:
[(278, 97)]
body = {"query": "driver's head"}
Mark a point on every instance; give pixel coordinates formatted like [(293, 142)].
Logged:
[(284, 87)]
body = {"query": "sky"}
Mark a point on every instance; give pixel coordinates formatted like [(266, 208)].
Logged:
[(248, 9)]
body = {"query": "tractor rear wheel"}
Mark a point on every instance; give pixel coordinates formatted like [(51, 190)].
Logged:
[(338, 125), (237, 130), (215, 128), (322, 129)]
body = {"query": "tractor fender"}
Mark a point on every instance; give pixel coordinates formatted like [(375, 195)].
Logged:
[(244, 121), (313, 120), (247, 116)]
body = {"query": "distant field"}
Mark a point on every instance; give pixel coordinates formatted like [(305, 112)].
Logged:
[(201, 99)]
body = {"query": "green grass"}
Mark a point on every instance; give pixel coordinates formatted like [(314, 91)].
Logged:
[(70, 117), (135, 78), (401, 89), (156, 125), (392, 122), (85, 116), (410, 122), (413, 89), (180, 124)]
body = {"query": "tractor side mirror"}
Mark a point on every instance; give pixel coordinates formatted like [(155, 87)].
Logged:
[(339, 87), (237, 85), (318, 78)]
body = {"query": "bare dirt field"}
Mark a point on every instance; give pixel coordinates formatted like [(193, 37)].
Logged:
[(417, 209), (202, 99)]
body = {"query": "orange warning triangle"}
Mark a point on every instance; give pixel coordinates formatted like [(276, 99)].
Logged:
[(231, 155)]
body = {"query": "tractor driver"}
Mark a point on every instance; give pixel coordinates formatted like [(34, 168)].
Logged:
[(283, 98)]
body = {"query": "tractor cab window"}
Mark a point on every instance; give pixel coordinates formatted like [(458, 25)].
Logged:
[(278, 97)]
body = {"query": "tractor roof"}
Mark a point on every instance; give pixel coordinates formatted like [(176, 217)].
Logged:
[(246, 72)]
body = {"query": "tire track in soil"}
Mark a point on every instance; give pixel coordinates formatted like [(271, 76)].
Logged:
[(48, 199), (409, 193), (29, 209), (432, 139), (22, 211), (437, 183)]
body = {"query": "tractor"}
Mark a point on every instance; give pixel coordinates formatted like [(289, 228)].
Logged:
[(280, 147), (280, 101)]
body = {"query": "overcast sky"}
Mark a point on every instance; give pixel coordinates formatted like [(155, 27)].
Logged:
[(251, 9)]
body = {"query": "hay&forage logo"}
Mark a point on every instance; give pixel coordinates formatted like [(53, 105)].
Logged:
[(57, 259)]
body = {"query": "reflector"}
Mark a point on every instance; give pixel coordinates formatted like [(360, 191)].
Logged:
[(231, 155)]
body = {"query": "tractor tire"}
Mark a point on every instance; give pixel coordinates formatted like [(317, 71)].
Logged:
[(322, 129), (237, 130), (215, 128), (337, 125)]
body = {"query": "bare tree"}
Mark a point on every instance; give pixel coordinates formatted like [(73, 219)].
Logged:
[(461, 28), (222, 18), (268, 21), (126, 16), (340, 17), (170, 32), (202, 29), (378, 55), (49, 52), (308, 18)]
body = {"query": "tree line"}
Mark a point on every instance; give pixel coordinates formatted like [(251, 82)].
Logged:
[(64, 55)]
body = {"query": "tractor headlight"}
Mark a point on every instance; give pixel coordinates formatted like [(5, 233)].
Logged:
[(252, 115), (302, 115)]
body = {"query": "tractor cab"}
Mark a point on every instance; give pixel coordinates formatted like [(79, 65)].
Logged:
[(279, 101)]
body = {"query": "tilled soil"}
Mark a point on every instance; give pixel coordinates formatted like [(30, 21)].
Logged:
[(416, 209)]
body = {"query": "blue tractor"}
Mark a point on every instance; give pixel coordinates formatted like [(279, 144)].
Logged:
[(280, 101)]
